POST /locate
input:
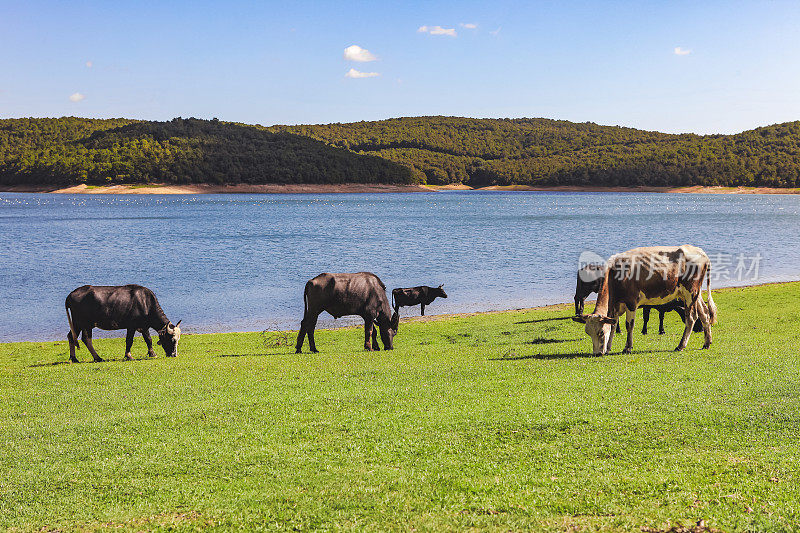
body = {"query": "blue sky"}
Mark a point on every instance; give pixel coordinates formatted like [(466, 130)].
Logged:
[(704, 67)]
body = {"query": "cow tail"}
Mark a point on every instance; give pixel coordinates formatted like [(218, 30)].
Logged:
[(393, 307), (712, 307), (305, 300), (71, 325)]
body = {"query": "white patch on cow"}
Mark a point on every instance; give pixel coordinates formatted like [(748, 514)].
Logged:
[(679, 292)]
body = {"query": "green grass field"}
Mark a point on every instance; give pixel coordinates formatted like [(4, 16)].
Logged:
[(496, 421)]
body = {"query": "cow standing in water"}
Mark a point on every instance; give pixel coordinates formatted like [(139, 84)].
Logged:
[(422, 296), (362, 294), (653, 276), (130, 307)]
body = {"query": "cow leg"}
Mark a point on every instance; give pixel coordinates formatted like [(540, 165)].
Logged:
[(706, 321), (422, 309), (630, 317), (129, 344), (661, 314), (645, 319), (691, 316), (311, 324), (87, 340), (148, 341), (375, 345), (578, 306), (301, 336), (368, 330), (611, 337), (307, 328), (73, 343)]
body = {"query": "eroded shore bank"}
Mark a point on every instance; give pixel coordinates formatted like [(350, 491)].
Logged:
[(367, 188)]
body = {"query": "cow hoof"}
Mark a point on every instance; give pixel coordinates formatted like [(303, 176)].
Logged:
[(706, 346), (314, 350), (99, 360), (151, 354), (128, 357), (627, 351), (661, 332), (679, 349), (74, 361)]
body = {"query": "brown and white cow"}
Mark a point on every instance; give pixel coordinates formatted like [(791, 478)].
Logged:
[(651, 275)]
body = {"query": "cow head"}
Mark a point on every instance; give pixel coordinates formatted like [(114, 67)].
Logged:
[(440, 292), (600, 330), (388, 331), (168, 338)]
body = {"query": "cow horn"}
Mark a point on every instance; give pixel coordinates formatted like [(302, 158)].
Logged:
[(442, 285), (179, 323)]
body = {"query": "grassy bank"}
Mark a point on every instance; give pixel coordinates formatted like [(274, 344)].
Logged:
[(496, 421)]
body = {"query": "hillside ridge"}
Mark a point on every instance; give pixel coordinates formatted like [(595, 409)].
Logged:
[(408, 150)]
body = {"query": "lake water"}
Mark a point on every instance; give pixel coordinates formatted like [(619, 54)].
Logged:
[(240, 262)]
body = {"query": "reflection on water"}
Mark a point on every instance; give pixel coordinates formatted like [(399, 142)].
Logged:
[(239, 262)]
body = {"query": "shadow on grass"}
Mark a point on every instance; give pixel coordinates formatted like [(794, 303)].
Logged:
[(542, 340), (257, 354), (54, 363), (544, 356), (68, 362), (574, 355), (544, 320)]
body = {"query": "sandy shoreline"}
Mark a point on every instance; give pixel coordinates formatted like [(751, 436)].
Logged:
[(368, 188), (203, 188)]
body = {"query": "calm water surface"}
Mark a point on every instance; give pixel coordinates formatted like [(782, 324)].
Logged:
[(239, 262)]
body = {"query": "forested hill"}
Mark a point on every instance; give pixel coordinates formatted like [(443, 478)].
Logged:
[(483, 152), (434, 150), (77, 150)]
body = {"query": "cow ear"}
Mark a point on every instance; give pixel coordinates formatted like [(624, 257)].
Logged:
[(580, 318), (442, 285), (608, 320)]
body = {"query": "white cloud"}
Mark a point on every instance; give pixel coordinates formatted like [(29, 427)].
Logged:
[(76, 97), (356, 53), (437, 30), (355, 74), (89, 64), (468, 25), (682, 51)]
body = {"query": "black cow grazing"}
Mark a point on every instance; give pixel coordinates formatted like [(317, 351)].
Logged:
[(421, 296), (674, 305), (362, 294), (590, 279), (130, 307)]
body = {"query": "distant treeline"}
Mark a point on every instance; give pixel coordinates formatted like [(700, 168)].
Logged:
[(435, 150), (77, 150)]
